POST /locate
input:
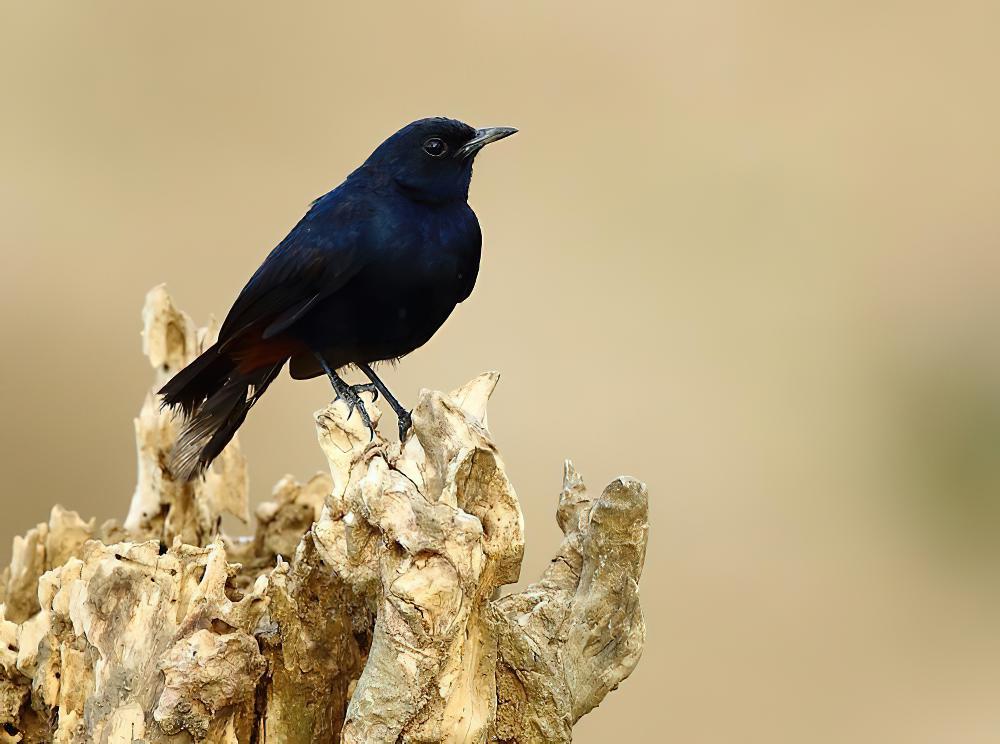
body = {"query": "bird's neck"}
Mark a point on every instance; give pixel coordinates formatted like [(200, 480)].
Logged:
[(440, 192)]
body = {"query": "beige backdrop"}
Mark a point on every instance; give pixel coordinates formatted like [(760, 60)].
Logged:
[(746, 251)]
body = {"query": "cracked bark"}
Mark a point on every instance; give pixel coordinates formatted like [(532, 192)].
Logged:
[(364, 609)]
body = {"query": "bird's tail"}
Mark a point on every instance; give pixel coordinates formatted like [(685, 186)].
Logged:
[(215, 397)]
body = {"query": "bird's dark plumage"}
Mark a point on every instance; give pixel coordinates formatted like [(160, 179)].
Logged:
[(369, 274)]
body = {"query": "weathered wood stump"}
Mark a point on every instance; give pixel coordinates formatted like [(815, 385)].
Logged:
[(366, 608)]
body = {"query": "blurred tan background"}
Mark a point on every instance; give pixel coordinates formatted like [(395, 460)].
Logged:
[(747, 252)]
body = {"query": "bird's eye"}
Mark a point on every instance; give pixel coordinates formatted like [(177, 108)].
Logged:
[(435, 147)]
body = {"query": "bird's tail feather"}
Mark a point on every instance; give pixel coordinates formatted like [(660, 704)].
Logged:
[(215, 398), (192, 386)]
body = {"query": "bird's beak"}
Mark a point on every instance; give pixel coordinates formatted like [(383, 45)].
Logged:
[(483, 137)]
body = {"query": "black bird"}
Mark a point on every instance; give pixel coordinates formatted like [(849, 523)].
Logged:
[(368, 275)]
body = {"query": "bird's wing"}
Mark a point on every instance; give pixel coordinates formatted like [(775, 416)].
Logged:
[(287, 318), (319, 256)]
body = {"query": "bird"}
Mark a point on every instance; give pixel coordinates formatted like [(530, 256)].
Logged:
[(368, 275)]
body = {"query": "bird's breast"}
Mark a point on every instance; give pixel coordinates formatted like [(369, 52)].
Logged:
[(432, 248)]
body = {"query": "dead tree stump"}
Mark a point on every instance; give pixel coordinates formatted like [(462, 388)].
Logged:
[(365, 609)]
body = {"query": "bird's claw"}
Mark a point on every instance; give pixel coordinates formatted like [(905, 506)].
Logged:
[(367, 387), (350, 396), (405, 423)]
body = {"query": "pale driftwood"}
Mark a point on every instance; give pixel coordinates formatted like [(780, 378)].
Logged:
[(366, 608)]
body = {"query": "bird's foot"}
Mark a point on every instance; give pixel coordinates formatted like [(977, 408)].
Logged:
[(367, 387), (405, 423), (350, 395)]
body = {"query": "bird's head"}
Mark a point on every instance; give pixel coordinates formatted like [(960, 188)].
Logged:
[(431, 159)]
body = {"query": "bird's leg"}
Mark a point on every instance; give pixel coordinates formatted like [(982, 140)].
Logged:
[(350, 394), (401, 413)]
